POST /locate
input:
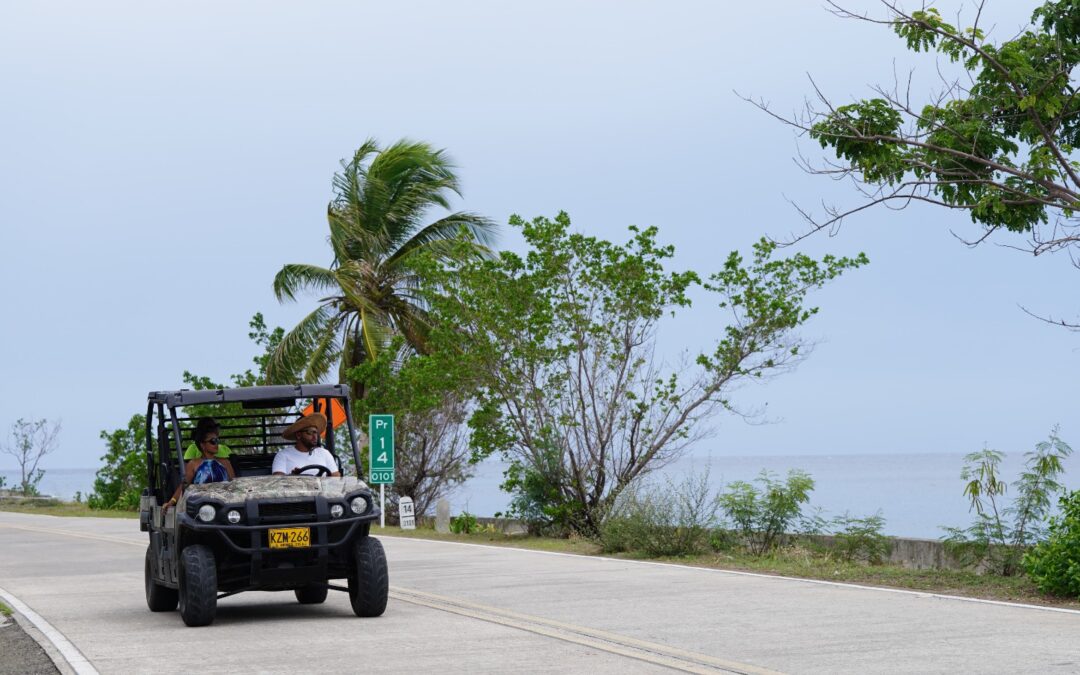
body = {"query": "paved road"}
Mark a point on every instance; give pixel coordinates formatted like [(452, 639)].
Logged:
[(459, 608)]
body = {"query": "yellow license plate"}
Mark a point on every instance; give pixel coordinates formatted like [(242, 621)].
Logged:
[(290, 537)]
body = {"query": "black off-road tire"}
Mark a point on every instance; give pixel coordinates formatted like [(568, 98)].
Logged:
[(158, 598), (315, 594), (369, 580), (198, 585)]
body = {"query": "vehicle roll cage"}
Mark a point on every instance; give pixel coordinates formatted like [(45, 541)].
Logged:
[(244, 431)]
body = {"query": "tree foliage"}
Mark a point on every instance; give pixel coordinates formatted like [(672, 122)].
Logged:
[(561, 343), (998, 142), (428, 397), (121, 479), (1003, 531), (377, 228)]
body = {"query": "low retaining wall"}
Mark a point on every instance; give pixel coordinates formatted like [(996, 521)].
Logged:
[(916, 554)]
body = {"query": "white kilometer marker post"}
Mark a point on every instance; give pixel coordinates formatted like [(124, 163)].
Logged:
[(406, 514), (381, 456)]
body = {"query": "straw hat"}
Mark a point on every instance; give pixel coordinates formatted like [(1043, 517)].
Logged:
[(316, 420)]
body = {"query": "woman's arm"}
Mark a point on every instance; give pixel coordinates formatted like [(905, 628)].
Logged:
[(189, 475), (228, 468)]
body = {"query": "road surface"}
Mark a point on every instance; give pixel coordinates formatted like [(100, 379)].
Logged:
[(457, 608)]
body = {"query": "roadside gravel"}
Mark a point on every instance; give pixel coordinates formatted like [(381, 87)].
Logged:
[(19, 653)]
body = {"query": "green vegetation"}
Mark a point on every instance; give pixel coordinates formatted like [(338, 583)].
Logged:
[(676, 518), (998, 141), (860, 539), (1002, 532), (5, 610), (761, 517), (466, 523), (427, 394), (377, 231), (122, 477), (1054, 564), (560, 345)]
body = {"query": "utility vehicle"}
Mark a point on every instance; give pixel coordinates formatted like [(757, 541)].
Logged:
[(259, 531)]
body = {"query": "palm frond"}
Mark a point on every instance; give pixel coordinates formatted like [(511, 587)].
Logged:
[(296, 277), (443, 238), (292, 355)]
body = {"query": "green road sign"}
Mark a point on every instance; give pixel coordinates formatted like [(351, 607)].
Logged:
[(381, 444)]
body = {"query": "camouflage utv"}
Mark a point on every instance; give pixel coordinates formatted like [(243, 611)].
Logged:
[(259, 531)]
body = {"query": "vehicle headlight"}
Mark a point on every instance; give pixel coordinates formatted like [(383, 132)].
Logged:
[(358, 505), (207, 513), (233, 516), (337, 510)]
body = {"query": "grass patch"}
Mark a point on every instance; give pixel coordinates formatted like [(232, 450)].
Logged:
[(795, 561), (5, 610), (67, 509), (576, 545)]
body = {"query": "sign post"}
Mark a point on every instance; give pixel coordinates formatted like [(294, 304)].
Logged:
[(381, 456)]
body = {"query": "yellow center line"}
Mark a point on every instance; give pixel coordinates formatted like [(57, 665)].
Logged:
[(622, 645)]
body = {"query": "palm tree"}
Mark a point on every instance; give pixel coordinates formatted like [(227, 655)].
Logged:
[(381, 198)]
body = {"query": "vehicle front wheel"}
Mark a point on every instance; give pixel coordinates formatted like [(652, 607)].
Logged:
[(158, 598), (311, 595), (369, 580), (198, 585)]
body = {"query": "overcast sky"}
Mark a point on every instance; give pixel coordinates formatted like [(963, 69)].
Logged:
[(159, 162)]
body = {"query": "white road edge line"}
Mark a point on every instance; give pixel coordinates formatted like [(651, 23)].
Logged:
[(822, 582), (79, 663)]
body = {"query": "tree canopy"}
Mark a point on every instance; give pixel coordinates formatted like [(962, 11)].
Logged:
[(560, 345), (377, 227), (998, 142)]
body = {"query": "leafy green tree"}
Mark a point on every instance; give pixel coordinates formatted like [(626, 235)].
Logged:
[(1002, 531), (561, 343), (998, 142), (428, 397), (122, 477), (377, 229)]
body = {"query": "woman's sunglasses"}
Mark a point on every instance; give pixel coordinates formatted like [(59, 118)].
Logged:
[(211, 441)]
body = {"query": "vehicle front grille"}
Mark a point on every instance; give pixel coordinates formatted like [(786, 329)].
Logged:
[(284, 511)]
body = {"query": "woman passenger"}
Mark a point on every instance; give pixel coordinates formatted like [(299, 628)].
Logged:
[(208, 467)]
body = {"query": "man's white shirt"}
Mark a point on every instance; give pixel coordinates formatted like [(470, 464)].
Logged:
[(288, 459)]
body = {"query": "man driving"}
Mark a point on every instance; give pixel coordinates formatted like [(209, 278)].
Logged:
[(306, 457)]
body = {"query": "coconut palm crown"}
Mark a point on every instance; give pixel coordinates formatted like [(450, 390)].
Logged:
[(376, 219)]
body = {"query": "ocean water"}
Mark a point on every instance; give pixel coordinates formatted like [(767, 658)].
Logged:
[(917, 494), (62, 483)]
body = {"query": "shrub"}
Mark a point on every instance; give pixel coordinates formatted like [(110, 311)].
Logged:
[(860, 538), (121, 479), (1054, 564), (675, 519), (762, 515), (1000, 534), (466, 523), (538, 498)]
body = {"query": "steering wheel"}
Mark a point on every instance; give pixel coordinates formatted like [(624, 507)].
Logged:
[(322, 470)]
